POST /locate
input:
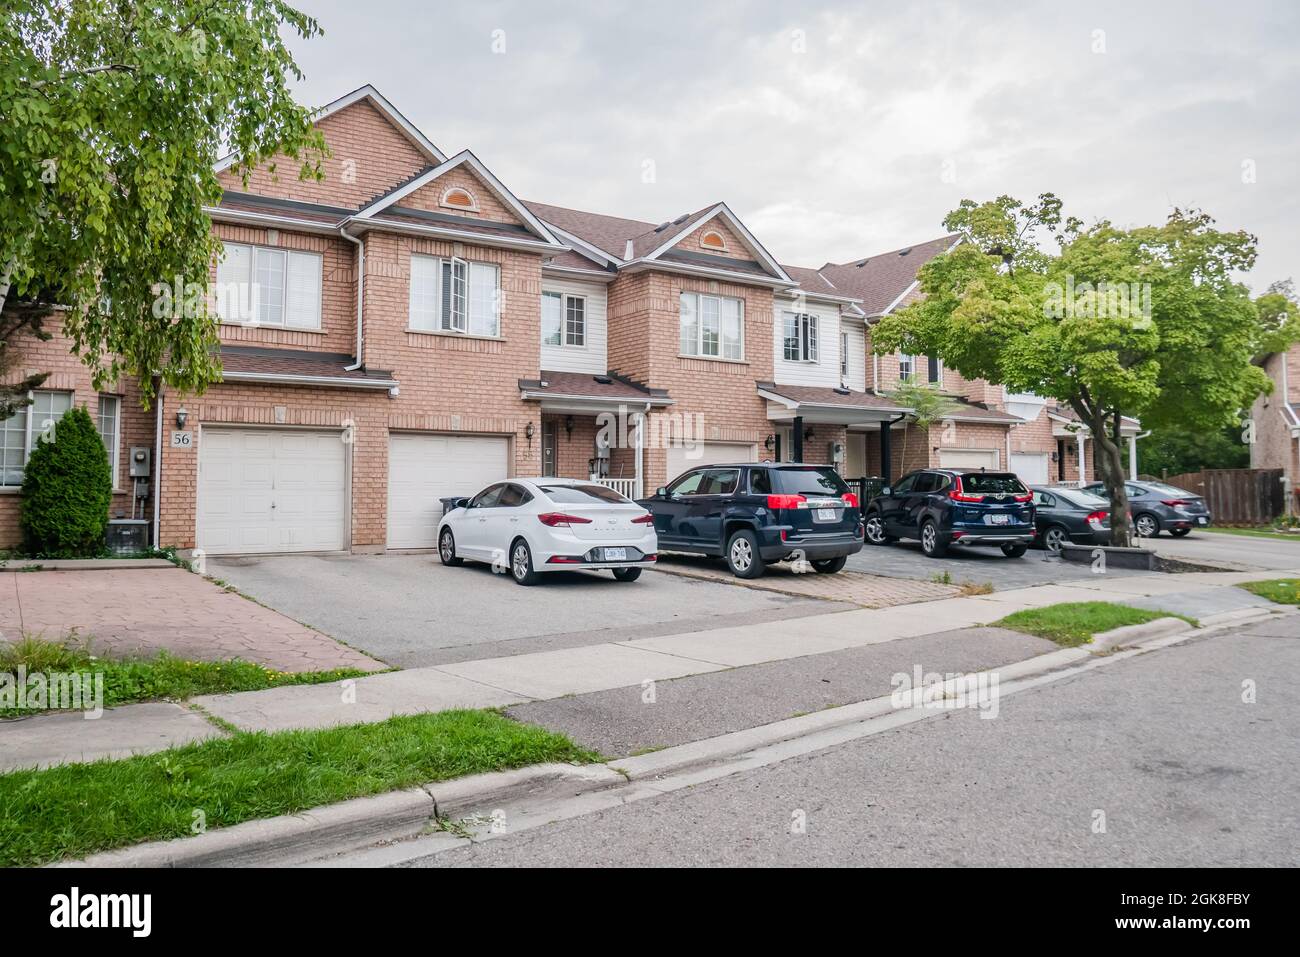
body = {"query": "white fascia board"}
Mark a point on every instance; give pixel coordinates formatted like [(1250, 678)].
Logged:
[(584, 248), (640, 265), (734, 221), (270, 221), (590, 275), (380, 102), (335, 381), (458, 235), (466, 158), (846, 301)]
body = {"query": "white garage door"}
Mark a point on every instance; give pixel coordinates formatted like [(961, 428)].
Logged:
[(968, 458), (1030, 466), (707, 453), (269, 490), (424, 468)]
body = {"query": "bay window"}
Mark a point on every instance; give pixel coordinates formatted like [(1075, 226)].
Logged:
[(261, 286), (454, 295), (712, 326)]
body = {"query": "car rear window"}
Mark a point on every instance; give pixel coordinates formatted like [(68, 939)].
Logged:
[(1164, 489), (1081, 498), (812, 481), (582, 494), (991, 483)]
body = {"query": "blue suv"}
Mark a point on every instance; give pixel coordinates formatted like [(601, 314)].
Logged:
[(755, 515), (945, 507)]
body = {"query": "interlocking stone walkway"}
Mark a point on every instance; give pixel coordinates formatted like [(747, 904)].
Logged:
[(868, 591), (145, 610)]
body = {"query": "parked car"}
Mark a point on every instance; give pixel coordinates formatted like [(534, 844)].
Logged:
[(549, 525), (1156, 506), (946, 507), (1070, 515), (755, 515)]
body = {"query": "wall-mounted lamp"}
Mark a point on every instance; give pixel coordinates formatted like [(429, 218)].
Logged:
[(529, 432), (808, 433), (181, 416), (1056, 456), (769, 443), (568, 426)]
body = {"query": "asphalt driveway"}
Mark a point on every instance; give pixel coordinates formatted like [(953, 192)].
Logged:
[(410, 610), (973, 566)]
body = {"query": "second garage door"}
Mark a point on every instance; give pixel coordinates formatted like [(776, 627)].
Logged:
[(707, 453), (968, 459), (425, 468), (1030, 466)]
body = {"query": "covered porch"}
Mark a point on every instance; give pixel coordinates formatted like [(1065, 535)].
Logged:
[(858, 433), (1073, 463)]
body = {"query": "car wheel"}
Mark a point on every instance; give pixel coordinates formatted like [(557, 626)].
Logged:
[(1179, 532), (447, 548), (1014, 551), (829, 566), (875, 530), (742, 555), (1054, 538), (627, 574), (521, 564), (931, 543), (1147, 525)]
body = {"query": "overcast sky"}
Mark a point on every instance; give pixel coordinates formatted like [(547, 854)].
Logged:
[(838, 130)]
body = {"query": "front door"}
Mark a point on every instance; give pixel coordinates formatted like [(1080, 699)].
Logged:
[(549, 445)]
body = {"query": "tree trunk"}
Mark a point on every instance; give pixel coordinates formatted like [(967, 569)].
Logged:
[(1110, 467)]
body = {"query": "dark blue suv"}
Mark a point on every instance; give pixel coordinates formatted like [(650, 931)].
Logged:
[(756, 515), (945, 507)]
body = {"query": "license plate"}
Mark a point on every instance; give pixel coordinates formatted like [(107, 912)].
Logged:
[(1201, 521), (999, 519), (826, 515), (616, 554)]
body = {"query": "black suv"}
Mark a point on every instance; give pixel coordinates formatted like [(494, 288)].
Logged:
[(757, 515), (944, 507)]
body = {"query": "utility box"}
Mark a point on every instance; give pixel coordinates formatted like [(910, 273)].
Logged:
[(139, 461), (128, 536)]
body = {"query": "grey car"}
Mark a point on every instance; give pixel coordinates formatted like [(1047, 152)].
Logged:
[(1158, 507), (1070, 516)]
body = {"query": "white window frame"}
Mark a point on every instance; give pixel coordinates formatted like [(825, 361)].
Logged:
[(114, 449), (246, 292), (565, 337), (26, 411), (456, 310), (906, 367), (807, 337), (701, 306), (844, 354)]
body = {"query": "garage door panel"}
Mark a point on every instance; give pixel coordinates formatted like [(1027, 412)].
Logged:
[(266, 490), (1031, 467), (425, 468), (969, 458)]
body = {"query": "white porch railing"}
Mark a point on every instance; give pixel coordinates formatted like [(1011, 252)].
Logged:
[(626, 487)]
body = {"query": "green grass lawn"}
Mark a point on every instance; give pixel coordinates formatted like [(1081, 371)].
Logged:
[(1074, 623), (1284, 591), (163, 676), (1263, 532), (74, 810)]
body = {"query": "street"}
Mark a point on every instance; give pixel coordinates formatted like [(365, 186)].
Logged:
[(1162, 745)]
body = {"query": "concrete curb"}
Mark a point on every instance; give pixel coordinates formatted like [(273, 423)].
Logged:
[(354, 823), (1105, 641), (82, 564)]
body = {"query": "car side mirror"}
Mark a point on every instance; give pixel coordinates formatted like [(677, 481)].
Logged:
[(661, 493), (462, 503), (886, 490)]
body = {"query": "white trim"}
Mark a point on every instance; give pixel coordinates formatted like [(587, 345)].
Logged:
[(465, 157), (722, 209), (722, 245), (380, 102), (460, 235), (589, 275), (308, 380), (740, 278), (584, 248), (270, 220), (473, 200)]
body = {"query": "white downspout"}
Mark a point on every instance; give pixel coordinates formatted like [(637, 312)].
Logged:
[(157, 462), (361, 280), (640, 453)]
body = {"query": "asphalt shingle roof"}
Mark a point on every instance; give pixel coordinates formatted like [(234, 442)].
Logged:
[(879, 280)]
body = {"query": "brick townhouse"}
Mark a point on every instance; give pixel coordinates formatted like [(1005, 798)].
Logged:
[(407, 329), (1275, 420)]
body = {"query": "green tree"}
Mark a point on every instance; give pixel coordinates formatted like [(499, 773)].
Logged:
[(1148, 322), (928, 405), (67, 488), (112, 116), (1173, 451)]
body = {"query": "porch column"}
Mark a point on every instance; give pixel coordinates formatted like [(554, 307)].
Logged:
[(1078, 438), (1133, 457), (796, 440), (886, 452)]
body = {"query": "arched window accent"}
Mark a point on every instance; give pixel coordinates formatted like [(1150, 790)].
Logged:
[(458, 197), (712, 239)]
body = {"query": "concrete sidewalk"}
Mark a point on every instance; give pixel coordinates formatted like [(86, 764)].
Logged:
[(503, 681)]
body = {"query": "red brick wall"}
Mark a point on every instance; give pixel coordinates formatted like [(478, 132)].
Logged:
[(430, 196), (736, 247)]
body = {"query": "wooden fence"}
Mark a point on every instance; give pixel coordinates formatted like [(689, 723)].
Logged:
[(1237, 496)]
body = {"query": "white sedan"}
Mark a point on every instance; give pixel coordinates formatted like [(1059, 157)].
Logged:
[(529, 526)]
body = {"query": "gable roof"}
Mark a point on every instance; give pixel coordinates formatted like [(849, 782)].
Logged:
[(379, 102), (881, 281), (689, 224)]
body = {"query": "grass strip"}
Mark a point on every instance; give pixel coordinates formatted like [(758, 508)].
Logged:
[(1072, 624), (1283, 591)]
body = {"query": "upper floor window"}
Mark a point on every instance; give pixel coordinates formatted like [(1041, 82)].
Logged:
[(110, 429), (844, 355), (261, 286), (712, 326), (457, 197), (935, 371), (906, 365), (564, 320), (799, 332), (712, 239), (21, 431), (455, 295)]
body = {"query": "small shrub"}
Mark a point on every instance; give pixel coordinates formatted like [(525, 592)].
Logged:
[(67, 489)]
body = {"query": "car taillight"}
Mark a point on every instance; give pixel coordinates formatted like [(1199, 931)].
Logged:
[(646, 519), (1174, 502), (1098, 518), (850, 499), (1025, 498), (786, 501), (554, 519), (958, 495)]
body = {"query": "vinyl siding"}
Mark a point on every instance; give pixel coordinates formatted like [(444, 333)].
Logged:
[(826, 370), (590, 357)]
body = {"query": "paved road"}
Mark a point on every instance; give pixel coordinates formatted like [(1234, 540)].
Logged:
[(1184, 771), (1247, 552), (410, 610)]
